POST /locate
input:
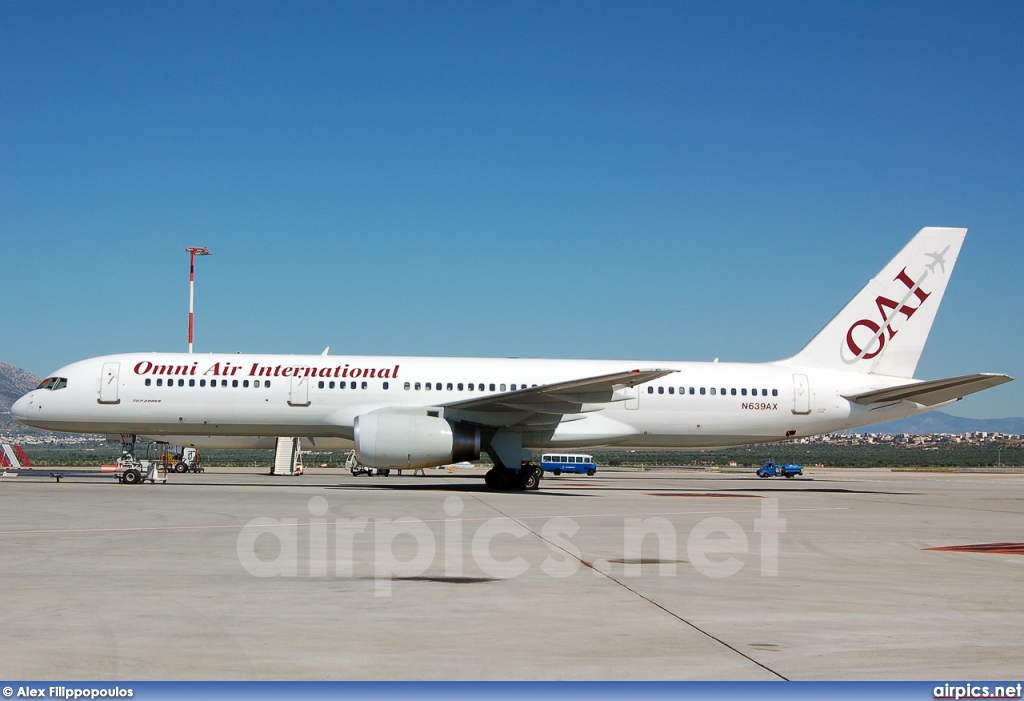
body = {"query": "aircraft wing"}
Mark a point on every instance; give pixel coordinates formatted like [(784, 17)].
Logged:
[(934, 391), (546, 404)]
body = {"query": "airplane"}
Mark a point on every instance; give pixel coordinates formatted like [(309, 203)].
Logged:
[(416, 412)]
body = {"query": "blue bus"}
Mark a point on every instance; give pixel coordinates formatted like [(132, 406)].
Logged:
[(557, 463)]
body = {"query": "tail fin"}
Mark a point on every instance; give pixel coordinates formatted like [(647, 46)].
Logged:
[(884, 328)]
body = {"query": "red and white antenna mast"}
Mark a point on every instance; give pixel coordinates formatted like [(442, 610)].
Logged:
[(193, 251)]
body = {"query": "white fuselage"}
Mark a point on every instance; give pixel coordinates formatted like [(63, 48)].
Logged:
[(221, 400)]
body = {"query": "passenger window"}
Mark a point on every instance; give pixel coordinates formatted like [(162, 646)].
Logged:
[(743, 391), (148, 381), (385, 385), (223, 383), (764, 393), (234, 383), (470, 386), (417, 386), (320, 384), (406, 385), (702, 390), (460, 386), (364, 385), (650, 390), (191, 383), (159, 382), (202, 383), (775, 392), (181, 383), (330, 385), (427, 386), (691, 390), (503, 388), (449, 386), (513, 388), (661, 390), (492, 386), (733, 391), (713, 391), (266, 383)]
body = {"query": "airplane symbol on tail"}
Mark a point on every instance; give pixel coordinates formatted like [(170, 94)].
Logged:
[(938, 259)]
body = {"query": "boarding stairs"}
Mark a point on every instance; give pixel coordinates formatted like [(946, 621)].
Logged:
[(13, 457), (287, 457)]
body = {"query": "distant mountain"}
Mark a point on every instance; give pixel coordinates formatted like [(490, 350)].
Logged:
[(938, 422), (14, 382)]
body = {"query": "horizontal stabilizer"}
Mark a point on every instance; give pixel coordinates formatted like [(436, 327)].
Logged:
[(934, 391)]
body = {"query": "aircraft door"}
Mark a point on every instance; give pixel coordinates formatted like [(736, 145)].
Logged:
[(801, 395), (108, 383), (634, 397), (299, 394)]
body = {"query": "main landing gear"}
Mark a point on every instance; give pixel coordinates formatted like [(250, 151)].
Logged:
[(526, 477), (505, 449)]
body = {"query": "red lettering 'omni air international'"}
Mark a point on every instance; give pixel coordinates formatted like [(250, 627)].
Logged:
[(219, 369)]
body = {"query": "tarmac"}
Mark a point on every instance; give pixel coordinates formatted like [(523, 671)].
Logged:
[(668, 574)]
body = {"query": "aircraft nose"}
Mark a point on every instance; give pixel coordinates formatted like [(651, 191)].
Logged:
[(19, 410)]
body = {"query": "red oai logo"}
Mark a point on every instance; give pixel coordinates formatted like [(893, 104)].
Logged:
[(887, 310)]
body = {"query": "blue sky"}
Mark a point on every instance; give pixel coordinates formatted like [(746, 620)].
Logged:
[(621, 180)]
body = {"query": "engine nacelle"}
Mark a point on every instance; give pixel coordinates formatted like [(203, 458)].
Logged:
[(410, 441)]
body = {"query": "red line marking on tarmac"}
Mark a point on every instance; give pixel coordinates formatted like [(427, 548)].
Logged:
[(997, 548)]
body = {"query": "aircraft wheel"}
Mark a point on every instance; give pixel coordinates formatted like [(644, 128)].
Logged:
[(529, 479), (489, 479), (503, 479), (131, 477), (387, 472)]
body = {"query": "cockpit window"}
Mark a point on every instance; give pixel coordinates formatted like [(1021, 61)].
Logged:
[(53, 383)]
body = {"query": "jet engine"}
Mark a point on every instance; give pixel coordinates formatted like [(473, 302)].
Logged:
[(410, 441)]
